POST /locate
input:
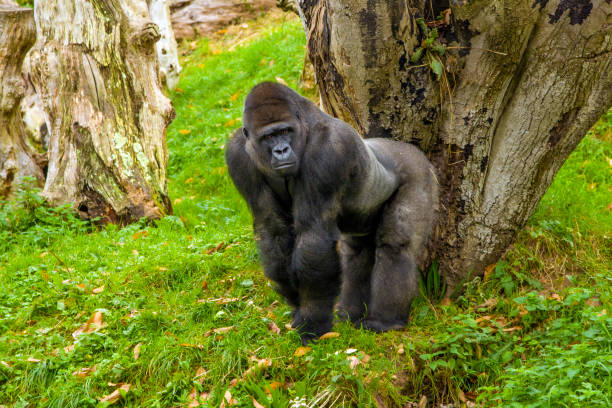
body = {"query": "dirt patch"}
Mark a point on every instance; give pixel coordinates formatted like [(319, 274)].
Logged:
[(194, 18)]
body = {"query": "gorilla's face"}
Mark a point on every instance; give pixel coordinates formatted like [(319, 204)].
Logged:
[(274, 143)]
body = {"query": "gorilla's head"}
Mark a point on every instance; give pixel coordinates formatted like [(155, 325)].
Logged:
[(273, 129)]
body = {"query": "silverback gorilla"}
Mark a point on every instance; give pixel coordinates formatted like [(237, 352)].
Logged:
[(333, 214)]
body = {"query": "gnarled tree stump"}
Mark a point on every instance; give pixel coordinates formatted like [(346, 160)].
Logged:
[(96, 71), (17, 159)]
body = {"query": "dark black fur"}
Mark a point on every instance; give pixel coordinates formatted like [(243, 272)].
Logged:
[(333, 214)]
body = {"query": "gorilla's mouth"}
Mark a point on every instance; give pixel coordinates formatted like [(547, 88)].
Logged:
[(284, 165)]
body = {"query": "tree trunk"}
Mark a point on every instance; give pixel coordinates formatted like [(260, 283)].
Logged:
[(96, 71), (167, 54), (17, 159), (522, 82)]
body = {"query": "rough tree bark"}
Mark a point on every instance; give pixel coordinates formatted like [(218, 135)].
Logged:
[(167, 53), (17, 158), (524, 80), (96, 71)]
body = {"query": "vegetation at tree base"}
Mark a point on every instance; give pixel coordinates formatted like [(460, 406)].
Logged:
[(180, 310)]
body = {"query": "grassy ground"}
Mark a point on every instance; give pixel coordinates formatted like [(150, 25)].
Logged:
[(165, 316)]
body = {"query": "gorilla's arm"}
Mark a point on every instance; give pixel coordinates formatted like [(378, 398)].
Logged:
[(272, 223)]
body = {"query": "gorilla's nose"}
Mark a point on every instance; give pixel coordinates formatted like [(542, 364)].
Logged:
[(282, 151)]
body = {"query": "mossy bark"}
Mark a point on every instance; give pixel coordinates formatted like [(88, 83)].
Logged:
[(17, 159), (524, 80), (97, 74)]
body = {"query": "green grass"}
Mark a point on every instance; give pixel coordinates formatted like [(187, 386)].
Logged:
[(152, 285)]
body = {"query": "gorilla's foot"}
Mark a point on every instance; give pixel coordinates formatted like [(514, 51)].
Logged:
[(382, 326), (352, 314)]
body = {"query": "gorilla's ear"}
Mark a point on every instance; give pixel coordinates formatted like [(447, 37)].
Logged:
[(245, 132)]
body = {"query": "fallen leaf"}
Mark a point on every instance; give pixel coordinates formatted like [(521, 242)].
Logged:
[(461, 396), (602, 313), (300, 351), (98, 290), (33, 360), (401, 350), (446, 301), (329, 335), (488, 270), (556, 297), (115, 395), (422, 402), (511, 329), (93, 324), (230, 123), (200, 374), (193, 398), (177, 201), (137, 351), (198, 346), (227, 397), (215, 249), (288, 326), (222, 31), (257, 404), (281, 80), (84, 372), (483, 318), (354, 361), (272, 327), (365, 359), (184, 131), (490, 303), (272, 386), (4, 363), (69, 348), (234, 96), (219, 330), (221, 301), (189, 180), (141, 233)]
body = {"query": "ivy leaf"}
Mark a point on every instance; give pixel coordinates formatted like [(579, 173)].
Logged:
[(436, 67)]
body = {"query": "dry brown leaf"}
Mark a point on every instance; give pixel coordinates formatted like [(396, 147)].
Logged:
[(222, 330), (511, 329), (33, 360), (461, 396), (281, 80), (84, 372), (256, 404), (115, 395), (484, 318), (193, 398), (98, 290), (221, 301), (198, 346), (354, 361), (272, 327), (200, 374), (300, 351), (329, 335), (93, 324), (215, 249), (227, 398), (4, 363), (272, 386), (137, 351), (490, 303), (488, 270), (446, 301), (556, 297), (229, 123)]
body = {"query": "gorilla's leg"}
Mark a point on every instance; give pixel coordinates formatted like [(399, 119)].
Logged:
[(400, 239), (357, 261)]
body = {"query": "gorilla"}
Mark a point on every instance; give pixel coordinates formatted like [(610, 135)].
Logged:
[(336, 217)]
